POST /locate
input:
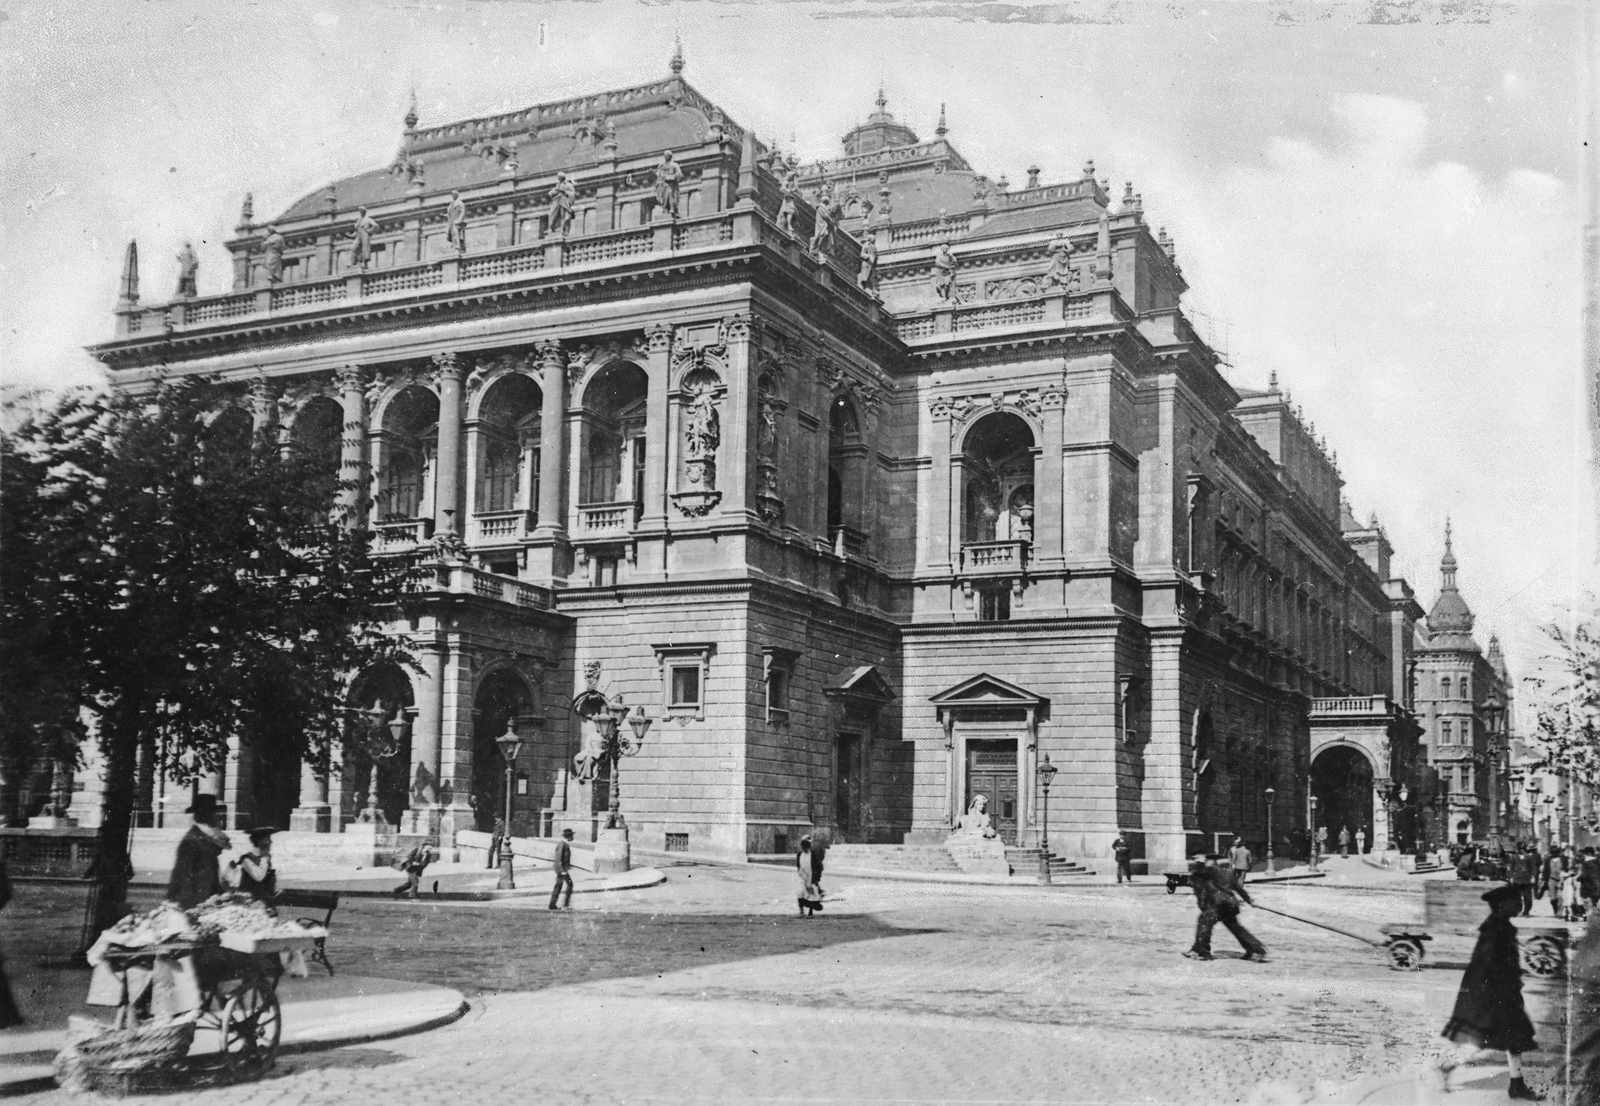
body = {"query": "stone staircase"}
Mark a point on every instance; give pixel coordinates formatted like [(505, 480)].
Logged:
[(1429, 867), (890, 858), (1025, 862)]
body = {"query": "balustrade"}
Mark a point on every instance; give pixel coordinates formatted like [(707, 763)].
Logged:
[(401, 534), (500, 526), (601, 519), (993, 558)]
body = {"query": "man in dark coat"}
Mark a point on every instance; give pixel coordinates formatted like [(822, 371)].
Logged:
[(1218, 898), (413, 865), (1489, 1011), (195, 876), (1525, 874), (1124, 858), (563, 867)]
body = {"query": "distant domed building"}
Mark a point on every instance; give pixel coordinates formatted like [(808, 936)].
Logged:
[(869, 484)]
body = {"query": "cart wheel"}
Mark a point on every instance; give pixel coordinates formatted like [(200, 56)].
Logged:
[(252, 1022), (1405, 954), (1542, 956)]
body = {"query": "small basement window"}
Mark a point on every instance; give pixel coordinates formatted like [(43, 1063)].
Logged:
[(677, 842), (994, 606)]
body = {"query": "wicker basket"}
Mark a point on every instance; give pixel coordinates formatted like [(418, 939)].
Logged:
[(155, 1044)]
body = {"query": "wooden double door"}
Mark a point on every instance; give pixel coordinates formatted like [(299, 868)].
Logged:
[(992, 773)]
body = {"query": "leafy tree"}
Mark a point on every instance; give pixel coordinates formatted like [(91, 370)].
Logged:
[(1567, 700), (180, 580)]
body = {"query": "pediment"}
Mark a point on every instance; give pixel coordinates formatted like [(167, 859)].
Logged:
[(865, 682), (984, 690)]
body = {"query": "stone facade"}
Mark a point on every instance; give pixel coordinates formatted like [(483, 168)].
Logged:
[(859, 532)]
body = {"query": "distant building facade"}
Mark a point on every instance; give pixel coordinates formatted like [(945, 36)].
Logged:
[(870, 483)]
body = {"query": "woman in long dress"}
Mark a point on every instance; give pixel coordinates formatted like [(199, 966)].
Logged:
[(1489, 1012), (809, 897)]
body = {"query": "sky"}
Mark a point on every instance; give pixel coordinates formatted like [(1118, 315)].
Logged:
[(1378, 200)]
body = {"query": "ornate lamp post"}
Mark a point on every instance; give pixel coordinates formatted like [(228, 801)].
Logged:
[(1550, 821), (381, 749), (510, 745), (614, 745), (1270, 793), (1441, 803), (1047, 773)]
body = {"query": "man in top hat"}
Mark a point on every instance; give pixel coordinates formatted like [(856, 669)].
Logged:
[(195, 876), (563, 869), (256, 875), (1489, 1013)]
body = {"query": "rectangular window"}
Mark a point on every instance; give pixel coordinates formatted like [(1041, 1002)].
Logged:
[(778, 690), (994, 606), (605, 572), (677, 842), (686, 685)]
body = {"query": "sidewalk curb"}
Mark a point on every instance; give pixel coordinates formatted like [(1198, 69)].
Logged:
[(30, 1084), (657, 878)]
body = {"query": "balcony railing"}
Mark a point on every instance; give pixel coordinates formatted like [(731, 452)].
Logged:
[(1351, 704), (849, 542), (465, 579), (1054, 308), (402, 534), (510, 263), (500, 526), (994, 558), (607, 519)]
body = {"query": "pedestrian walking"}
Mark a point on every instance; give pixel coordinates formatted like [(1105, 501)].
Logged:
[(1219, 900), (1322, 840), (563, 867), (413, 865), (1361, 842), (1489, 1013), (1239, 856), (1344, 841), (195, 873), (496, 839), (818, 851), (809, 897), (9, 1014), (1589, 880), (1124, 858), (1524, 874)]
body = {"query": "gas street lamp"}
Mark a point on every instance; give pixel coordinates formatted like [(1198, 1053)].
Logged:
[(1316, 846), (510, 745), (1047, 773)]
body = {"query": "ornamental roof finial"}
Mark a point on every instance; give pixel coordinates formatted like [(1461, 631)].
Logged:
[(882, 100), (1088, 169), (128, 291), (677, 56), (247, 211), (411, 112), (941, 130)]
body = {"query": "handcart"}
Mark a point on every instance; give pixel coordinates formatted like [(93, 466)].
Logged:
[(195, 1005), (1452, 913)]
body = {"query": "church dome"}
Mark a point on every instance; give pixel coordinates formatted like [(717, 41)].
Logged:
[(879, 132)]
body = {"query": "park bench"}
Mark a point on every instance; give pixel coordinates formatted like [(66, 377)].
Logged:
[(313, 900)]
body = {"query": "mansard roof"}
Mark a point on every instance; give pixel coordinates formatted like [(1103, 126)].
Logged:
[(569, 134)]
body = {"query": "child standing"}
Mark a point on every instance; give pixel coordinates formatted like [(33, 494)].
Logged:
[(1489, 1013)]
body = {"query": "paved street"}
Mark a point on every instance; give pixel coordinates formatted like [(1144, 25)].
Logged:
[(708, 990)]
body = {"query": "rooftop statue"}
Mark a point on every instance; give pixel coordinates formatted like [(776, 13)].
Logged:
[(827, 215), (188, 272), (668, 175), (272, 254), (944, 273), (455, 222), (562, 198), (791, 189), (365, 227), (868, 276), (1059, 274)]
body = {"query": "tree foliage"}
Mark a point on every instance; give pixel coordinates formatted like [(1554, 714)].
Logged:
[(181, 580), (1567, 699)]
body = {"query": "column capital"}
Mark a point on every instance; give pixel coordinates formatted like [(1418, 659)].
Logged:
[(351, 378), (658, 338), (447, 366), (741, 327), (552, 359), (262, 389)]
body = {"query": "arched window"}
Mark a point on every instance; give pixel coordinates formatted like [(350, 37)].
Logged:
[(1444, 687), (847, 458), (997, 476), (500, 462), (1466, 688), (507, 435), (408, 445), (613, 436)]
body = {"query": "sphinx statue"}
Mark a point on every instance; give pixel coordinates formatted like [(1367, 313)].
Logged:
[(975, 821)]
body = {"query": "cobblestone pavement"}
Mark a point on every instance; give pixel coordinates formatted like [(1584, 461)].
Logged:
[(707, 990)]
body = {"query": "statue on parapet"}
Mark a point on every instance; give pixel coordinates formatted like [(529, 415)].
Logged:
[(944, 273), (272, 254), (365, 227), (975, 822), (188, 273), (868, 276), (669, 174), (791, 189), (563, 198), (455, 222), (822, 229)]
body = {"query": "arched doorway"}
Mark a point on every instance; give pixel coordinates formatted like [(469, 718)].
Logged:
[(380, 724), (1341, 782), (502, 700)]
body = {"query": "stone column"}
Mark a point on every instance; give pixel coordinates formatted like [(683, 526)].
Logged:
[(263, 405), (353, 443), (422, 817), (654, 517), (1380, 815), (734, 471), (552, 524), (312, 814), (940, 495), (456, 733), (447, 482), (1049, 493), (238, 794), (1167, 786)]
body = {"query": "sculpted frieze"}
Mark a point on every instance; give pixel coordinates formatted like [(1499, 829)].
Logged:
[(632, 347)]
